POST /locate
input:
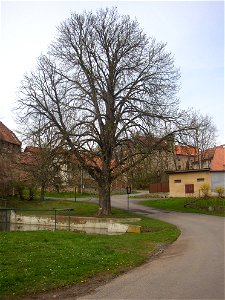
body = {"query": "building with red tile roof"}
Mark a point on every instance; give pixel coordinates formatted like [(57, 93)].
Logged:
[(10, 150), (7, 136), (217, 168), (184, 157), (186, 150), (28, 156), (218, 160), (181, 181)]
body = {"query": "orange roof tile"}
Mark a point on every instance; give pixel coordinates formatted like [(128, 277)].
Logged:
[(28, 156), (31, 149), (97, 162), (8, 136), (91, 161), (218, 161), (185, 150)]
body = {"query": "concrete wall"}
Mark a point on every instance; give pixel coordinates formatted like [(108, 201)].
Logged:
[(217, 179), (178, 189), (89, 225)]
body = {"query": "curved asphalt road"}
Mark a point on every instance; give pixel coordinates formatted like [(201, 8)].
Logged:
[(191, 268)]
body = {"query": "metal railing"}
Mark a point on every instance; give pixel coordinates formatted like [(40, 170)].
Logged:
[(5, 215)]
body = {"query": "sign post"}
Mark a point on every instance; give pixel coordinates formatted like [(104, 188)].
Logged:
[(75, 193), (128, 188)]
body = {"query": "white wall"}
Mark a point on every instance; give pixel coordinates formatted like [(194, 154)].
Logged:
[(217, 179)]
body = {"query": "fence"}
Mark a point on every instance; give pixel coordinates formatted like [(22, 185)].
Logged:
[(159, 187)]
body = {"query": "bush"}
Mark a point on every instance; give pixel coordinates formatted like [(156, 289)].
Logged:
[(220, 191), (205, 188)]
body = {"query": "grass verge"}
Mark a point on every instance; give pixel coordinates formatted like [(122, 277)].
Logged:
[(33, 262), (66, 195), (210, 206), (85, 209)]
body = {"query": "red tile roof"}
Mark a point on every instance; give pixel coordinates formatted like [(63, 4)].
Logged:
[(218, 161), (32, 149), (209, 153), (28, 158), (206, 155), (97, 162), (93, 161), (185, 150), (7, 135)]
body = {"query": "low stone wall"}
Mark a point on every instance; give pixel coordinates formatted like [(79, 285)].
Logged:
[(87, 224)]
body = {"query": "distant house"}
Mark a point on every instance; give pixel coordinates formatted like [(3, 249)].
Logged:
[(184, 157), (204, 158), (188, 182), (217, 168), (10, 150), (188, 157), (8, 140), (28, 156)]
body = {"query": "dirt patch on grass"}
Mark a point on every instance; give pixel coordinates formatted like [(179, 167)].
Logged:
[(74, 291), (145, 229)]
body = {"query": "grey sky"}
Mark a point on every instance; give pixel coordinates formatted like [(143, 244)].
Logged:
[(193, 30)]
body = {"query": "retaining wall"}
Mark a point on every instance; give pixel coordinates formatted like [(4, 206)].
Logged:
[(77, 223)]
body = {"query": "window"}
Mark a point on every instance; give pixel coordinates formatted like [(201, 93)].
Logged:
[(189, 188), (177, 181), (200, 179)]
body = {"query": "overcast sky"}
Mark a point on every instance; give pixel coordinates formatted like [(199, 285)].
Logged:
[(193, 31)]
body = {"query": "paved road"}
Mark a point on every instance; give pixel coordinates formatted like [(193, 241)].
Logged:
[(191, 268)]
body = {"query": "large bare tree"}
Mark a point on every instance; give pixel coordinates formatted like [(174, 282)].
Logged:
[(102, 85)]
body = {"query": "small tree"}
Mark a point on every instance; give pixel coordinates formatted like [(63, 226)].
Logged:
[(42, 162), (220, 191), (205, 189), (201, 137)]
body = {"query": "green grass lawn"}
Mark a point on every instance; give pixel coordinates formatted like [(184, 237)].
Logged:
[(60, 194), (66, 194), (198, 205), (32, 262), (79, 208)]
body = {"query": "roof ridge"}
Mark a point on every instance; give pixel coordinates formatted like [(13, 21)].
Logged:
[(8, 135)]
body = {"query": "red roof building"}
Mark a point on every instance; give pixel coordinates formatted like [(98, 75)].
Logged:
[(8, 136), (9, 143), (10, 150), (28, 156), (186, 150), (218, 161)]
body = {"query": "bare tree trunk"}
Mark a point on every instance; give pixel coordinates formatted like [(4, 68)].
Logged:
[(42, 196), (104, 199), (31, 193), (20, 192)]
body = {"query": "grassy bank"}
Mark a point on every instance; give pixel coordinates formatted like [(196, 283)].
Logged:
[(86, 209), (67, 195), (210, 206), (79, 208), (32, 262)]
